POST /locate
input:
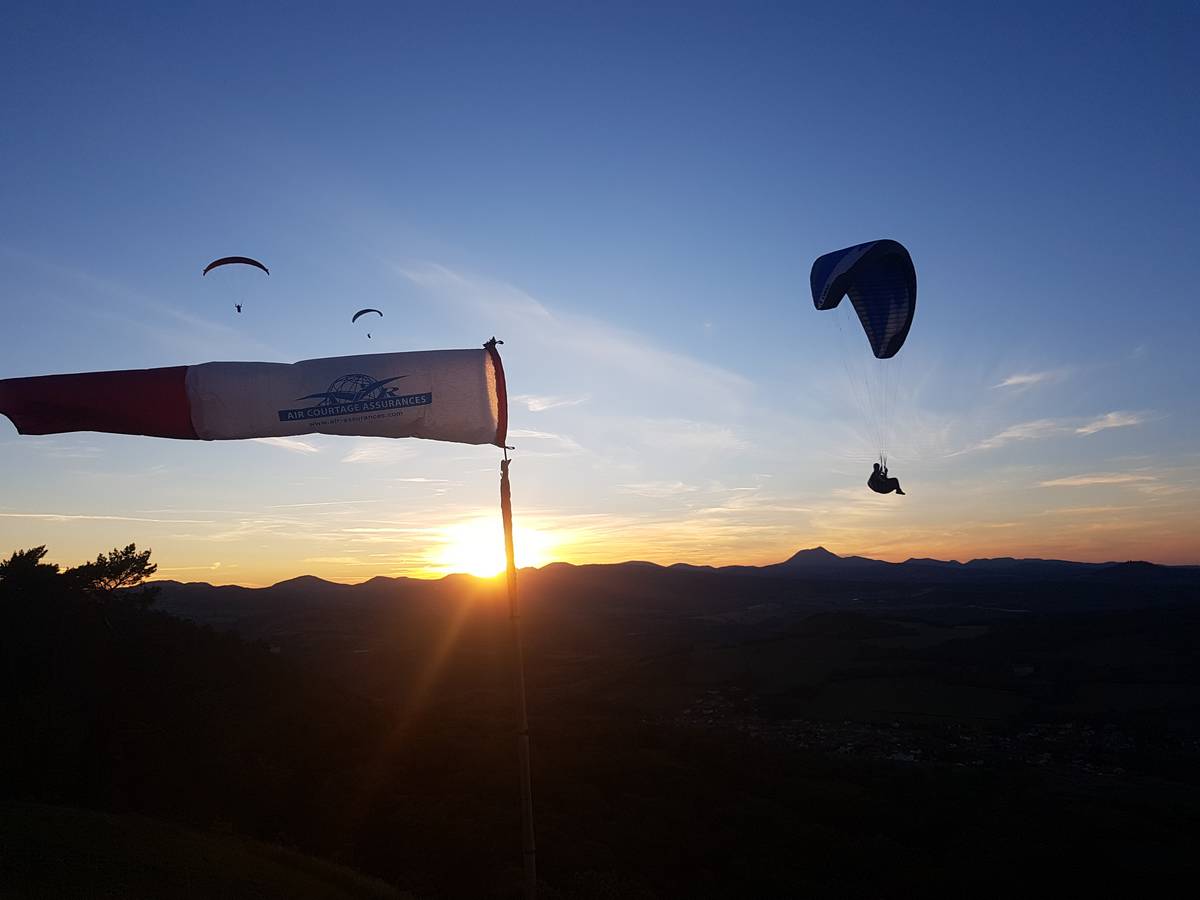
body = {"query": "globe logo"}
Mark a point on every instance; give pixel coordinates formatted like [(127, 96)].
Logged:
[(355, 389)]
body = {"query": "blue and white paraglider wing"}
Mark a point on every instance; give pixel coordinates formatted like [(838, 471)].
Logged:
[(881, 282)]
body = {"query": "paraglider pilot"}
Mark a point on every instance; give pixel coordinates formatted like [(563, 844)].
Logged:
[(880, 483)]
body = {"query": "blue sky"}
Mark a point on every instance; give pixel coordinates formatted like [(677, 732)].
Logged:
[(631, 198)]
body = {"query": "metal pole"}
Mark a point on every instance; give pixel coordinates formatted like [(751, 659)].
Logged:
[(518, 684)]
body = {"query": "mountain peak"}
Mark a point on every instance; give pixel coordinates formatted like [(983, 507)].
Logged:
[(812, 555), (817, 557), (380, 580), (304, 581)]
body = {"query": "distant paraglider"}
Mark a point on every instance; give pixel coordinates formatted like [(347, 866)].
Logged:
[(881, 282), (234, 260), (237, 281), (363, 312)]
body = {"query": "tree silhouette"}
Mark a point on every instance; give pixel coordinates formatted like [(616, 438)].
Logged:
[(24, 571), (112, 575)]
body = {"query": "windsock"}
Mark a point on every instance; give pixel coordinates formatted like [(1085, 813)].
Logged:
[(439, 395)]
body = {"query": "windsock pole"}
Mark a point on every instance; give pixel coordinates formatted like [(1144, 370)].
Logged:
[(518, 686)]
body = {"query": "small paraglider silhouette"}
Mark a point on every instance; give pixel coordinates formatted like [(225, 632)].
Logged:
[(363, 312), (234, 260)]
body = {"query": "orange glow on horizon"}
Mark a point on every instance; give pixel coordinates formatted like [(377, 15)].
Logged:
[(1113, 524), (476, 547)]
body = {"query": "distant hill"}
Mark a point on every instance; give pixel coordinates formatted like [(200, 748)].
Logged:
[(820, 563), (809, 563), (818, 557), (820, 560), (288, 613)]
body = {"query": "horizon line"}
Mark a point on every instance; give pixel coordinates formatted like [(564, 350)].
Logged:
[(644, 562)]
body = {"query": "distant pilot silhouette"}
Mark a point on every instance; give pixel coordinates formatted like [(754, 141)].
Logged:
[(881, 484), (238, 307)]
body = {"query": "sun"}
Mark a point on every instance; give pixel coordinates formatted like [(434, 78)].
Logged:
[(476, 547)]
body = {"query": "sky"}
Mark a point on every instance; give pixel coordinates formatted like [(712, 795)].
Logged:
[(631, 197)]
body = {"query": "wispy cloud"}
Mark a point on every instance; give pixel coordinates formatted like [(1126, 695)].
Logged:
[(1025, 431), (295, 445), (379, 451), (542, 403), (1097, 478), (66, 517), (1110, 420), (656, 489), (1086, 510), (585, 339), (385, 530), (315, 503), (560, 441), (1158, 491), (68, 448), (683, 435), (211, 567), (1045, 428), (1029, 379)]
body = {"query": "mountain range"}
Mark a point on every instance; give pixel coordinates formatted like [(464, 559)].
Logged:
[(815, 563), (648, 597)]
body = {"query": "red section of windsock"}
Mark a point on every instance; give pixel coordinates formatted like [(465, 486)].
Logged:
[(152, 402)]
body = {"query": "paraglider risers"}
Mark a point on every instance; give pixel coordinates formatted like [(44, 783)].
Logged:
[(518, 686)]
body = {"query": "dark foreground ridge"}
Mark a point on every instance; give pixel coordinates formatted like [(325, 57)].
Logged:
[(825, 726), (54, 851)]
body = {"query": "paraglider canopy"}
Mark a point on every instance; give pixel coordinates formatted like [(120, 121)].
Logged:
[(234, 260), (363, 312), (881, 282)]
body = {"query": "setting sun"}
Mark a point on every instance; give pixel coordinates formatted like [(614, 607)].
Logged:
[(476, 548)]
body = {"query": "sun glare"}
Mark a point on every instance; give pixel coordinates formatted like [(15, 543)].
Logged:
[(476, 548)]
